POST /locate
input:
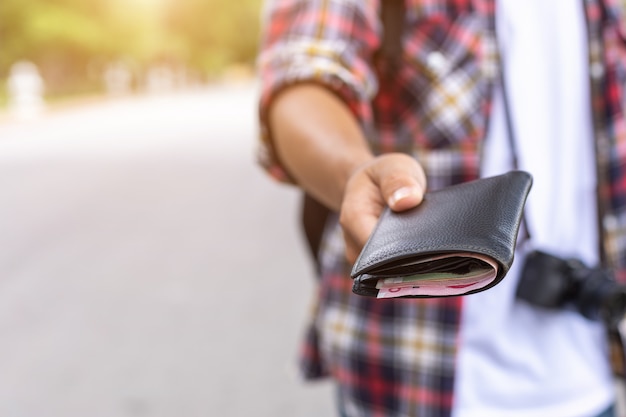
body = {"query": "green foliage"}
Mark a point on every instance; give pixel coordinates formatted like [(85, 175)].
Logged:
[(73, 40), (218, 31)]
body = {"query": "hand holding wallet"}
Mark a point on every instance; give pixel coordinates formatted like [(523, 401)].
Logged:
[(460, 240)]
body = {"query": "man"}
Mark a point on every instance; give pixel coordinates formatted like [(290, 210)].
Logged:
[(358, 138)]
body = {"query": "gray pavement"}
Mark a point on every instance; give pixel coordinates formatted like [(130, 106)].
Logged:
[(147, 266)]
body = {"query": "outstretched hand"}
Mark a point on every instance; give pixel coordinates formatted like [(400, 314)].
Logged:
[(396, 180)]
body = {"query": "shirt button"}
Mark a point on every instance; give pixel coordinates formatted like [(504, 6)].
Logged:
[(610, 222), (437, 62), (596, 70)]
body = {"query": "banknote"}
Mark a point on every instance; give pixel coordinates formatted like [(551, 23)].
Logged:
[(477, 275)]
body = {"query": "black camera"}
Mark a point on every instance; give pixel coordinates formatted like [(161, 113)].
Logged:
[(552, 282)]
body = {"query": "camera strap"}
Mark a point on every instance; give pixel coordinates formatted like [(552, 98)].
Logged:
[(510, 132)]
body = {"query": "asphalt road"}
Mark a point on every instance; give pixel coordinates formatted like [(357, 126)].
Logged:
[(147, 265)]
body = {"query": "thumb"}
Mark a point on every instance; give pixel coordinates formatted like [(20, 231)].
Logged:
[(405, 197), (401, 180)]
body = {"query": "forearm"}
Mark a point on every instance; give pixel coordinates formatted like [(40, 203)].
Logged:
[(318, 140)]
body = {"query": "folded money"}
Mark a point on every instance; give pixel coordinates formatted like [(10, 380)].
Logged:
[(472, 272)]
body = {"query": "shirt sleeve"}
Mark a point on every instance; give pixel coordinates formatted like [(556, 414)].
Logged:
[(328, 42)]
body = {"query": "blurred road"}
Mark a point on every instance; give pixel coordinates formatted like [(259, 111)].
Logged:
[(147, 266)]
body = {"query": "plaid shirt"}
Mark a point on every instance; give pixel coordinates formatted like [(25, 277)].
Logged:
[(397, 357)]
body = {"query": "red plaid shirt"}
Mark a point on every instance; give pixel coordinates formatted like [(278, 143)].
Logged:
[(397, 357)]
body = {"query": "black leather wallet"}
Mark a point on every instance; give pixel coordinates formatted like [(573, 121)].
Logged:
[(460, 240)]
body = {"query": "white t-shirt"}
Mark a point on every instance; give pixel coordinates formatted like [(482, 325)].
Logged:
[(515, 360)]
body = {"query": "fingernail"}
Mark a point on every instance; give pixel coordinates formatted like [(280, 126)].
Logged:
[(401, 193)]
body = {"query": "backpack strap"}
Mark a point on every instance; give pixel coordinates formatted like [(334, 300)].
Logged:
[(388, 58), (313, 220)]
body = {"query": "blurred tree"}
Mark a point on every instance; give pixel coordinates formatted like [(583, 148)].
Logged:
[(214, 33), (73, 40)]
